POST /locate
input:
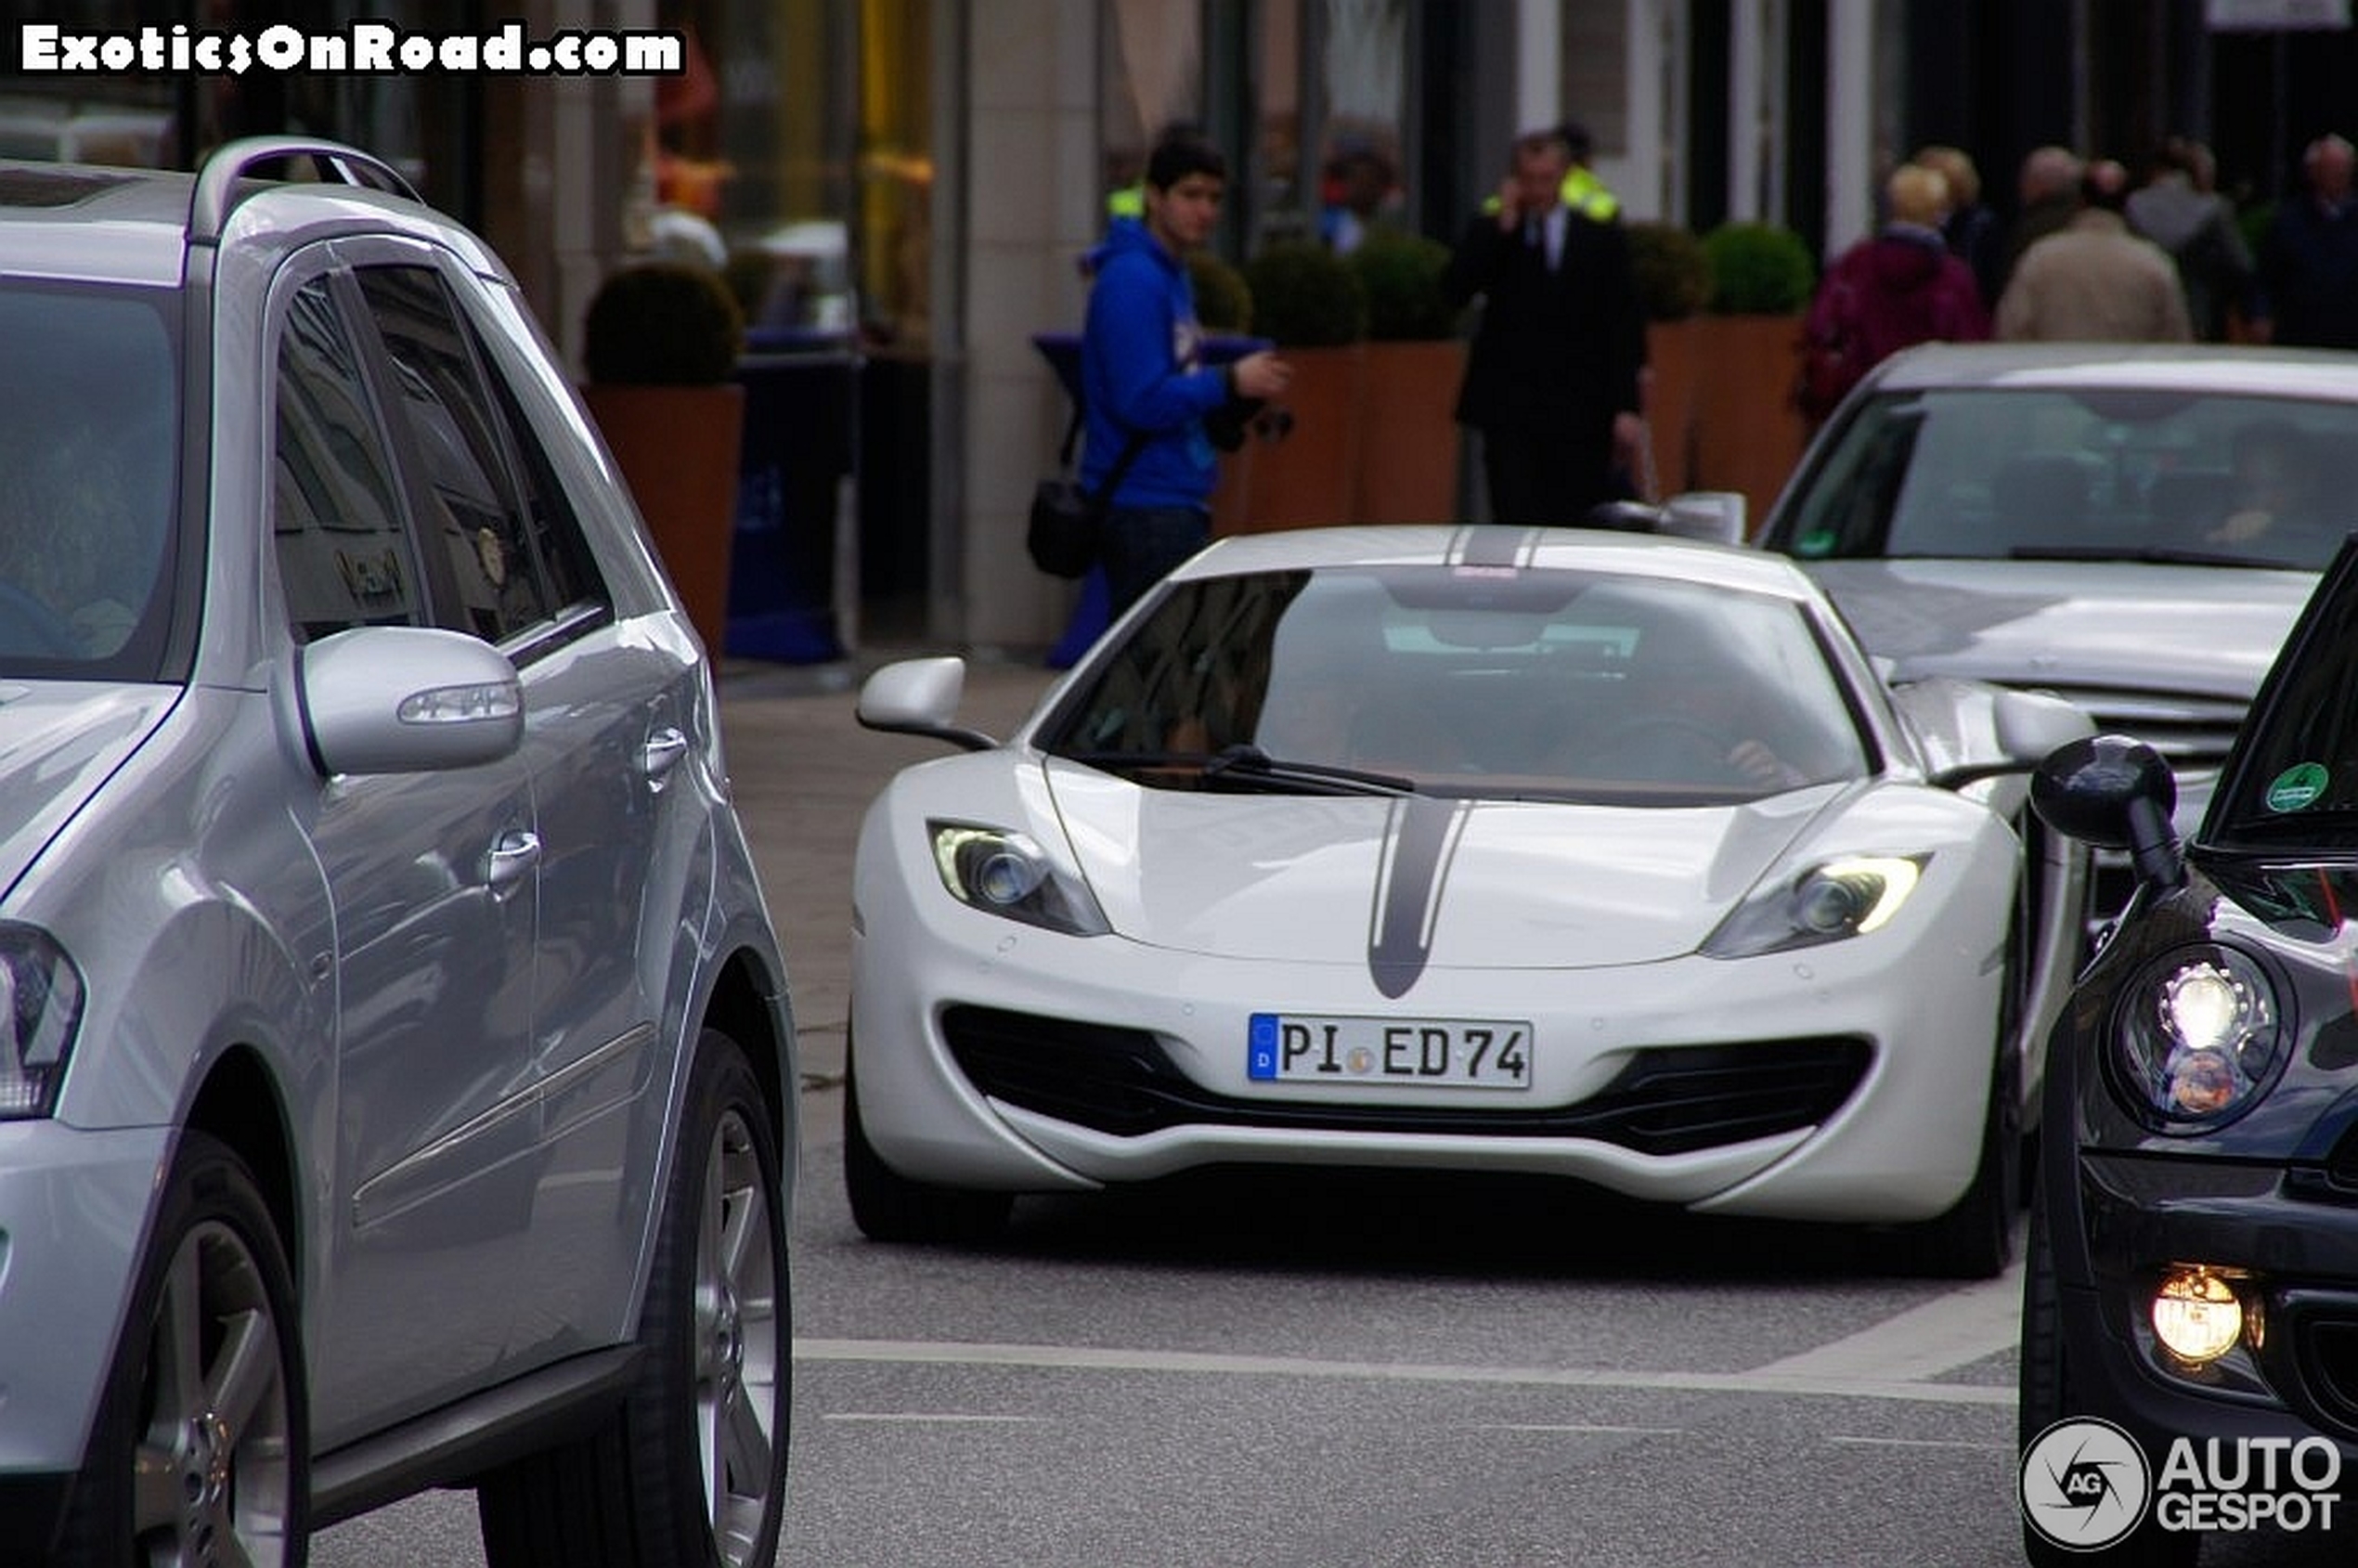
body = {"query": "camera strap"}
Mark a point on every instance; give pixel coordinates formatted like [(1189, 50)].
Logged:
[(1137, 444)]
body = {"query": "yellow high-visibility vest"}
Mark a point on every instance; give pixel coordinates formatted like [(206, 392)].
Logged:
[(1130, 201), (1587, 195)]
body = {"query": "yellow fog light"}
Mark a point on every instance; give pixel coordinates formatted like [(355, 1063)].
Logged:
[(2196, 1314)]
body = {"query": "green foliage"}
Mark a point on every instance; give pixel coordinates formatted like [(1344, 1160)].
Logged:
[(1757, 269), (1305, 296), (1673, 272), (2254, 223), (1401, 274), (1224, 304), (662, 324)]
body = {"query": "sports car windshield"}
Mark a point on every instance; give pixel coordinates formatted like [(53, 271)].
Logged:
[(2057, 473), (1552, 685), (89, 465)]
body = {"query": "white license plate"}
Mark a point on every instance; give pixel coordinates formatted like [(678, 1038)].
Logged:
[(1431, 1053)]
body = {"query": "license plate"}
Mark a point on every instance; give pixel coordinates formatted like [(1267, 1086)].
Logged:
[(1432, 1052)]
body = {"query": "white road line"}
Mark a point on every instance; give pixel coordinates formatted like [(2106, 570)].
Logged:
[(933, 1418), (1089, 1358), (1945, 1333)]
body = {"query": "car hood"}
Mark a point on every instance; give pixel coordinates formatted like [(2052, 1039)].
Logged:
[(1418, 880), (58, 741), (2203, 631)]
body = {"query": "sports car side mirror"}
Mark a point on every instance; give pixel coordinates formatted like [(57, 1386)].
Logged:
[(920, 697), (2114, 793)]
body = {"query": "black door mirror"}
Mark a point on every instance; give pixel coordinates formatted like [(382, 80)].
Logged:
[(2116, 793)]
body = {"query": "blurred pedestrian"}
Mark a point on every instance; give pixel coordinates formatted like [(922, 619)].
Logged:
[(2177, 210), (1360, 184), (1900, 287), (1552, 374), (1971, 228), (2309, 258), (1145, 388), (1583, 191), (2048, 186), (2094, 280)]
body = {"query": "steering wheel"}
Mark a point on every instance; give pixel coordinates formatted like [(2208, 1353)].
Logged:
[(1668, 748), (30, 627)]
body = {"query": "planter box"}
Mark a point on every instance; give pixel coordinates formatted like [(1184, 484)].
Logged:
[(678, 448), (1670, 403), (1407, 470), (1748, 434), (1309, 478)]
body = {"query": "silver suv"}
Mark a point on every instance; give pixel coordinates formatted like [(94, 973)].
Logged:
[(395, 1066)]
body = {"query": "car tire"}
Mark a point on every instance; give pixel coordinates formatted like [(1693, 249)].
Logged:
[(887, 1206), (206, 1462), (691, 1471), (2044, 1397)]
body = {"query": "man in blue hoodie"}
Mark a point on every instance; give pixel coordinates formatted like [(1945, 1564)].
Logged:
[(1143, 378)]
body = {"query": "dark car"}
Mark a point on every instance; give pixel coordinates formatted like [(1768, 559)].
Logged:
[(2193, 1270)]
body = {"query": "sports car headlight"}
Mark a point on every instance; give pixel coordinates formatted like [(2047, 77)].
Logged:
[(2199, 1034), (1005, 873), (1839, 899), (40, 1011)]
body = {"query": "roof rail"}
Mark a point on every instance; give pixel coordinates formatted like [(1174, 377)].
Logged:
[(217, 194)]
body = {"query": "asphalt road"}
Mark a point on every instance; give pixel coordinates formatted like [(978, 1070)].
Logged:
[(1323, 1369)]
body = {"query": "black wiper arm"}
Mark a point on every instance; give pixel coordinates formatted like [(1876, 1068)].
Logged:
[(1248, 761)]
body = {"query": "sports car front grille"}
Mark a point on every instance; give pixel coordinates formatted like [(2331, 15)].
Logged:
[(1669, 1099)]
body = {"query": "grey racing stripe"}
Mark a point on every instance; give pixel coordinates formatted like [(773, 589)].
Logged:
[(1420, 839)]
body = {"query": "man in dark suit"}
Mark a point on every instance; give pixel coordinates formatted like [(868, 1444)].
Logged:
[(1552, 377)]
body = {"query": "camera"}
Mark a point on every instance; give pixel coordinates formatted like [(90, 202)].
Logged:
[(1227, 425)]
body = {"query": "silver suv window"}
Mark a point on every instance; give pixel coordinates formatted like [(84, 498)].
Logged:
[(89, 462)]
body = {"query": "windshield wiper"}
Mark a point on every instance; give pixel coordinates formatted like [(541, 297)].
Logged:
[(1247, 761)]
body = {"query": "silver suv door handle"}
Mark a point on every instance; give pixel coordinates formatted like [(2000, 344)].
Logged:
[(661, 753), (510, 860)]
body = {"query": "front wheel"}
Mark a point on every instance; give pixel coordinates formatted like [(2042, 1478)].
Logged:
[(692, 1471), (198, 1455)]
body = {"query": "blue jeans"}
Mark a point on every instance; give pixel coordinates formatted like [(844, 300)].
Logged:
[(1142, 542)]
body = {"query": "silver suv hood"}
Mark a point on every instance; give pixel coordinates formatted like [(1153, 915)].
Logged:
[(59, 742), (2200, 632)]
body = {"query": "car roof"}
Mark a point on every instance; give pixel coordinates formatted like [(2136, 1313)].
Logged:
[(2225, 369), (74, 221), (1476, 546)]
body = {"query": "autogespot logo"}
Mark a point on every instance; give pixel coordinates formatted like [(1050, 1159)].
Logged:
[(2084, 1485)]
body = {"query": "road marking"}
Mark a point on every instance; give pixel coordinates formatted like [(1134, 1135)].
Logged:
[(1945, 1333), (1091, 1358), (934, 1418)]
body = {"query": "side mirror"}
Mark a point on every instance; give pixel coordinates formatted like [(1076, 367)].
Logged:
[(405, 699), (920, 697), (1714, 516), (2030, 725), (2114, 793)]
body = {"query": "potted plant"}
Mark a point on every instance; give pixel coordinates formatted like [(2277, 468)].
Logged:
[(1748, 431), (660, 343), (1309, 302), (1414, 362), (1674, 280), (1224, 308)]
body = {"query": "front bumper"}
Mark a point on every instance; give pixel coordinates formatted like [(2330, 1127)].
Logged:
[(74, 1211), (2291, 1241), (1044, 1062)]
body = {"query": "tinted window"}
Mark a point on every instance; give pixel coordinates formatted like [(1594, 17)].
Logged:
[(1552, 684), (89, 459), (344, 557), (2031, 473), (509, 553), (2295, 770)]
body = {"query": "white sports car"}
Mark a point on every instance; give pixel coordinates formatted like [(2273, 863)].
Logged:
[(1597, 855)]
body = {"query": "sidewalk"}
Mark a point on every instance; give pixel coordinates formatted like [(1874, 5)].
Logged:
[(803, 772)]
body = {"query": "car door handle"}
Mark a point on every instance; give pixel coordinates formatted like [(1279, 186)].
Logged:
[(661, 753), (512, 859)]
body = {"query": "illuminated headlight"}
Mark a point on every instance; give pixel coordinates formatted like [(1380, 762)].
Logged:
[(2196, 1314), (1005, 873), (1839, 899), (41, 1010), (2200, 1034)]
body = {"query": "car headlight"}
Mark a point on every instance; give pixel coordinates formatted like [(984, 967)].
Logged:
[(2199, 1035), (1001, 871), (40, 1012), (1841, 897)]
